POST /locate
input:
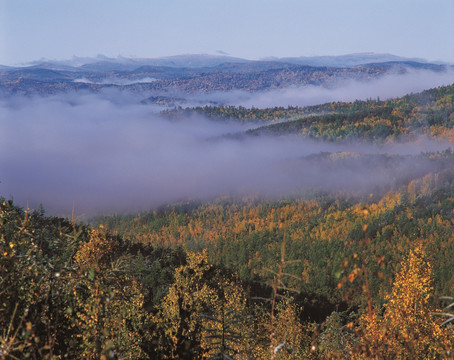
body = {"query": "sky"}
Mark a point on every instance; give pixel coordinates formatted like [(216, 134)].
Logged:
[(60, 29)]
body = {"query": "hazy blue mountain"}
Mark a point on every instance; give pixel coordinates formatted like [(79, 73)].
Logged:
[(178, 61), (103, 63), (346, 60)]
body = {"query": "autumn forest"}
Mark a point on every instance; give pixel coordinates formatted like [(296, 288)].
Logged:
[(350, 272)]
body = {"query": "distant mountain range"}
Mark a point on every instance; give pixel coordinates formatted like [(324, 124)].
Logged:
[(199, 73), (104, 63), (347, 60)]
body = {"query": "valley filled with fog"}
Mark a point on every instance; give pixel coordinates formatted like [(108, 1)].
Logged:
[(109, 151)]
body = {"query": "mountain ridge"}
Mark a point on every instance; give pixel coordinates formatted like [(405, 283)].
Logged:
[(203, 60), (193, 74)]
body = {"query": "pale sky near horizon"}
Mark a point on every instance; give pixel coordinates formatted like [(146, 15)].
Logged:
[(60, 29)]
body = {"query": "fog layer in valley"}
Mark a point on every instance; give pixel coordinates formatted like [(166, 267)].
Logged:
[(388, 86), (107, 153)]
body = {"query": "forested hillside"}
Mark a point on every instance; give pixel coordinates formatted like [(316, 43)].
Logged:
[(429, 113), (317, 275), (70, 290), (330, 236)]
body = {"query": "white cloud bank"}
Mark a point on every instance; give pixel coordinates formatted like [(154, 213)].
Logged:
[(107, 153)]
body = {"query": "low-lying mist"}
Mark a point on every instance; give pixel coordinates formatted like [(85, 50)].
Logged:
[(116, 81), (107, 153), (385, 87)]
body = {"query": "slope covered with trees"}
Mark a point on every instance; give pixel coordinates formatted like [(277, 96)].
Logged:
[(429, 113), (326, 234), (292, 279)]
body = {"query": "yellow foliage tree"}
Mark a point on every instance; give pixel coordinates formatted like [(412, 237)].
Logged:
[(290, 340), (407, 329), (179, 315), (226, 324), (108, 316)]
